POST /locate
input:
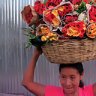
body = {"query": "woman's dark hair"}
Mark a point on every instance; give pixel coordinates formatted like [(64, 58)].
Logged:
[(78, 66)]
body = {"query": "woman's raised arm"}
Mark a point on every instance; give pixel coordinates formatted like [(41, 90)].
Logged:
[(28, 78)]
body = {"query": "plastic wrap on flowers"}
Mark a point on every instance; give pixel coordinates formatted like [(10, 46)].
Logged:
[(53, 16), (66, 31), (92, 13), (29, 15)]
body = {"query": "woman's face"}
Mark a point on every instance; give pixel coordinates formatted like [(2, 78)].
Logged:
[(69, 79)]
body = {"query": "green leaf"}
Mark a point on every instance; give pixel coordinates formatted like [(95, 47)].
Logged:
[(81, 8), (27, 30), (33, 27), (32, 36), (45, 1)]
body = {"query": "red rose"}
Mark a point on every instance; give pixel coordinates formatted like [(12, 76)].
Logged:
[(66, 8), (52, 3), (75, 1), (82, 34), (70, 18), (39, 7), (29, 15), (49, 17), (86, 1), (74, 29), (92, 13)]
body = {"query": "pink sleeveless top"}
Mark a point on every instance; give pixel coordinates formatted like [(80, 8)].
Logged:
[(57, 91)]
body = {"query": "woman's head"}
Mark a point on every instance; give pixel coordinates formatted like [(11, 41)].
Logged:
[(71, 76)]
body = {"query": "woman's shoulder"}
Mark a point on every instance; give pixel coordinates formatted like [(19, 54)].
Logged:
[(88, 87), (87, 90)]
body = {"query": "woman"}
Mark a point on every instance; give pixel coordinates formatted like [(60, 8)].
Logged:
[(70, 78)]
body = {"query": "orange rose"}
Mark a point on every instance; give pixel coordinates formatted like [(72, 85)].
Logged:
[(74, 29), (29, 15), (91, 30), (42, 29)]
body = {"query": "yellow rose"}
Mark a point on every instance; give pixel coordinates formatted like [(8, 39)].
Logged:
[(43, 38), (61, 8), (53, 38), (56, 22), (55, 12), (72, 31)]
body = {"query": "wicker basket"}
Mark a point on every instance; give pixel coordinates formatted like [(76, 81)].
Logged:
[(70, 51)]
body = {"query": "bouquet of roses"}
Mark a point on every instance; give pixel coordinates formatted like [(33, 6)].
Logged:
[(52, 20)]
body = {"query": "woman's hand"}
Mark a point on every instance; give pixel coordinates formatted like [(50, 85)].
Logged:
[(37, 51)]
